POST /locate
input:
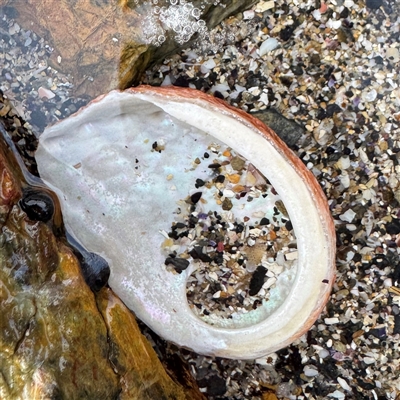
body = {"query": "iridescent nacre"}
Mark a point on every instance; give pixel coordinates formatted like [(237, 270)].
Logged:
[(123, 168)]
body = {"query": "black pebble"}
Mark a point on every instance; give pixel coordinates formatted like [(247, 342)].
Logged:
[(37, 205), (216, 386), (199, 183), (298, 70), (289, 226), (195, 197), (374, 4), (206, 155), (365, 385), (96, 270), (345, 13), (264, 221), (396, 328), (379, 333), (39, 119), (287, 32), (197, 254), (182, 81), (239, 228), (220, 179), (257, 280), (395, 274), (332, 109), (393, 228), (214, 165), (180, 264), (219, 258)]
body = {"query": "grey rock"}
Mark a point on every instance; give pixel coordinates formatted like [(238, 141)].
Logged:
[(288, 130)]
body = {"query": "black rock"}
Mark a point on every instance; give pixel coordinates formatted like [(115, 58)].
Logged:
[(344, 13), (264, 221), (39, 119), (257, 280), (286, 33), (395, 274), (197, 253), (396, 328), (218, 95), (365, 385), (216, 386), (374, 4), (199, 183), (95, 270), (195, 197), (182, 81), (288, 226), (332, 109), (37, 205), (220, 179), (180, 264), (393, 228), (214, 165), (379, 333), (298, 70)]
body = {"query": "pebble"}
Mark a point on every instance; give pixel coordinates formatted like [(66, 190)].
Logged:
[(392, 53), (310, 372), (323, 353), (207, 65), (348, 216), (293, 255), (369, 360), (369, 96), (228, 193), (15, 28), (337, 394), (344, 384), (45, 93), (248, 14), (374, 4), (331, 321)]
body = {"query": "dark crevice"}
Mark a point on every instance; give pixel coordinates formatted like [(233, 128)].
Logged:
[(112, 366), (26, 330)]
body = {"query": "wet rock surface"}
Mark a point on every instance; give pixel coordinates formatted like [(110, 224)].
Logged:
[(58, 339), (288, 130), (105, 44)]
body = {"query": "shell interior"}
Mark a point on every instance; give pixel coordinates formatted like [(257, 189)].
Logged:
[(129, 171)]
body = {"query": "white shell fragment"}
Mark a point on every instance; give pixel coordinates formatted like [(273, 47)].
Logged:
[(268, 45), (114, 164)]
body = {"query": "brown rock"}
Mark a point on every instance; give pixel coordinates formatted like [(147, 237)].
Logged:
[(101, 43), (137, 363), (57, 338)]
